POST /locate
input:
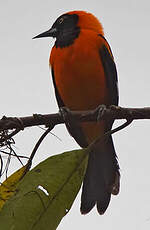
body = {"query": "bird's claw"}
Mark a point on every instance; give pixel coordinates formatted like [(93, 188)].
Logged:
[(67, 115), (101, 110)]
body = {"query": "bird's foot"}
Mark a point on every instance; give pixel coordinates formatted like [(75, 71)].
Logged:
[(69, 119), (67, 116), (73, 126), (100, 111)]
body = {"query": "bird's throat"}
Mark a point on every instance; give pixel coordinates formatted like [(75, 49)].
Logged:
[(66, 38)]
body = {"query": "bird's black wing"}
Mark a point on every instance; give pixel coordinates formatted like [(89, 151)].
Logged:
[(102, 174), (110, 73), (58, 98)]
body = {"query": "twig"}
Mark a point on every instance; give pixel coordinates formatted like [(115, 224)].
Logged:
[(29, 163), (112, 111), (110, 132), (8, 136), (1, 168), (14, 155)]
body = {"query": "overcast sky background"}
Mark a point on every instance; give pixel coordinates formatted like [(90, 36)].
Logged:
[(26, 88)]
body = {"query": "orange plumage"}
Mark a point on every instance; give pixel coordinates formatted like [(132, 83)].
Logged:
[(85, 76), (74, 77)]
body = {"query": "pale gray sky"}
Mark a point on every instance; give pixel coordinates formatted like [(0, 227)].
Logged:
[(26, 88)]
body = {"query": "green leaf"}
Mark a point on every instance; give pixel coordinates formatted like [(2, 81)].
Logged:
[(31, 208)]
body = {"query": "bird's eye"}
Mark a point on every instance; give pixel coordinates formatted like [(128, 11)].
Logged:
[(61, 20)]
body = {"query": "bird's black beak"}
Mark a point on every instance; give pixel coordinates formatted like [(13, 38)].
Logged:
[(49, 33)]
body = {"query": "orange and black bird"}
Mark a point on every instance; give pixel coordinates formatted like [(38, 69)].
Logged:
[(84, 76)]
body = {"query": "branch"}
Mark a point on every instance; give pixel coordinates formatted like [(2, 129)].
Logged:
[(10, 126), (111, 112)]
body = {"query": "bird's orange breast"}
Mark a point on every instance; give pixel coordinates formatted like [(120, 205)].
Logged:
[(80, 77)]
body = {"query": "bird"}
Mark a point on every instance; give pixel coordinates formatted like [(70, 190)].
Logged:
[(84, 76)]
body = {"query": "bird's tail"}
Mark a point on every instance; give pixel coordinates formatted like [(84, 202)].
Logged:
[(101, 179)]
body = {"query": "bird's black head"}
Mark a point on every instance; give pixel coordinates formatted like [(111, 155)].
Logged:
[(64, 29)]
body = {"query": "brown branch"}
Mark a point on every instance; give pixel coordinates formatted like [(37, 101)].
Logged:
[(113, 112), (50, 120)]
